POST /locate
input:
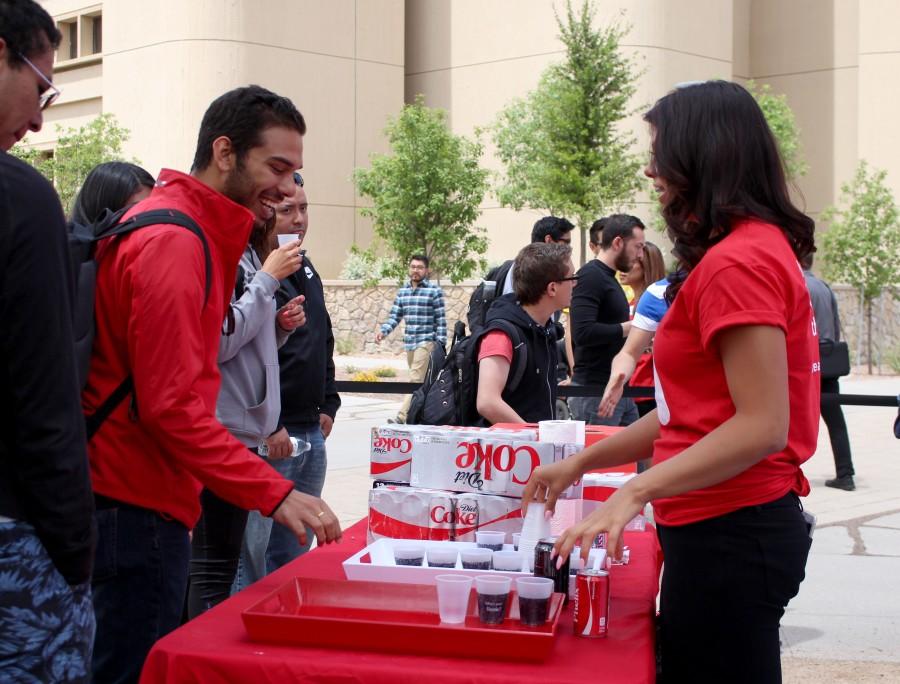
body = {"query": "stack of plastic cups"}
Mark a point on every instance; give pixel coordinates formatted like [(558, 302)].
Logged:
[(534, 528)]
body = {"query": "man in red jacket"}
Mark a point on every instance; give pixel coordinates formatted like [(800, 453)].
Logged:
[(155, 451)]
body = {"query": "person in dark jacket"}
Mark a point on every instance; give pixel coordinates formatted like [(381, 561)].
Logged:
[(46, 507), (544, 281), (828, 328), (309, 403), (600, 315)]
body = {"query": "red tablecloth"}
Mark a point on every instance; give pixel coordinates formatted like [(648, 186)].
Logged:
[(214, 647)]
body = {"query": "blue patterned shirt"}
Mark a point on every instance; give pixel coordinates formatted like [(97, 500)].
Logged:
[(423, 309)]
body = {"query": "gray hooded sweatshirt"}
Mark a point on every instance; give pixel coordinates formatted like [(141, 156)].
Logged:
[(249, 401)]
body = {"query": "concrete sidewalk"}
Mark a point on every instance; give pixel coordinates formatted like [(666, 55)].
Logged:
[(844, 626)]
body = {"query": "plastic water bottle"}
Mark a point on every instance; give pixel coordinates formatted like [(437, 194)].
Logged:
[(301, 446)]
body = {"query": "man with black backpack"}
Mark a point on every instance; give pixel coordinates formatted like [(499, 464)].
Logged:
[(500, 280), (521, 324), (155, 324), (46, 536)]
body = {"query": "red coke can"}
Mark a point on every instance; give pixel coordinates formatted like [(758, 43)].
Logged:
[(591, 603)]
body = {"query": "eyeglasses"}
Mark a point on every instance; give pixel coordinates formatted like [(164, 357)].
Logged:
[(573, 278), (298, 179), (49, 96)]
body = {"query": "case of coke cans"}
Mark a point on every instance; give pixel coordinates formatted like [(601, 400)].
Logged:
[(402, 512), (483, 461)]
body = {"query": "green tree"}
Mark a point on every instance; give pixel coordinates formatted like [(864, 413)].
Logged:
[(78, 150), (426, 194), (562, 146), (862, 246), (780, 118)]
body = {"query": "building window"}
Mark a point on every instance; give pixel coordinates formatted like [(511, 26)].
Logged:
[(97, 34), (68, 46), (82, 35)]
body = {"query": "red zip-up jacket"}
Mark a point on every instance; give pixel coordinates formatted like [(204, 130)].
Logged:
[(152, 323)]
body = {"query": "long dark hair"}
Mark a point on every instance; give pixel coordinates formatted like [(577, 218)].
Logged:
[(720, 162), (108, 186)]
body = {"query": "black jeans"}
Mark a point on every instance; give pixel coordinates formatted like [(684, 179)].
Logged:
[(140, 578), (726, 582), (837, 429), (215, 550)]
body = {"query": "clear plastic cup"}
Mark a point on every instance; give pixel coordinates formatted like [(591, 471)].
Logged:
[(508, 561), (476, 559), (490, 540), (409, 554), (453, 597), (534, 599), (441, 557), (516, 536), (493, 597)]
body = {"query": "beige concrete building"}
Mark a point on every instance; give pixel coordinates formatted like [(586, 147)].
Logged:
[(350, 64)]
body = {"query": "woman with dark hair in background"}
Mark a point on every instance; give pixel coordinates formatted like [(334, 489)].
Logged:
[(735, 359), (110, 185)]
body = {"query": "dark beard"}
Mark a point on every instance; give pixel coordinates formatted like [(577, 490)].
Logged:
[(238, 186), (622, 264)]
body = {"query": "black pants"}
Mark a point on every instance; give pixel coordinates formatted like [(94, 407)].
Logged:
[(726, 582), (837, 429), (215, 550), (140, 577)]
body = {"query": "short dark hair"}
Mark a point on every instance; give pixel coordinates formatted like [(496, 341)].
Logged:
[(242, 115), (108, 186), (554, 226), (420, 257), (27, 30), (537, 265), (604, 231)]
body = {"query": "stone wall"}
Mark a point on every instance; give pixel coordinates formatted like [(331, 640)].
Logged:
[(357, 311)]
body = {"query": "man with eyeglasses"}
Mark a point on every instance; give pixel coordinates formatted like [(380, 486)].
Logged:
[(421, 303), (46, 533), (522, 322)]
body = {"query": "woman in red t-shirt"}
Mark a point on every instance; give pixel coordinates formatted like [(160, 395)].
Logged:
[(736, 362)]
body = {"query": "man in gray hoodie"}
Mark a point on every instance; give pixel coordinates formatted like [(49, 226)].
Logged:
[(249, 402)]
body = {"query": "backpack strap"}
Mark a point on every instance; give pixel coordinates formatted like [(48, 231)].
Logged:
[(157, 217), (93, 422), (520, 351), (109, 225)]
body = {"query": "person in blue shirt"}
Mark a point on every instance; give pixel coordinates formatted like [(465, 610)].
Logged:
[(421, 303)]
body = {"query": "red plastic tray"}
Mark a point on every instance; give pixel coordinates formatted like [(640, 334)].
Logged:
[(385, 616)]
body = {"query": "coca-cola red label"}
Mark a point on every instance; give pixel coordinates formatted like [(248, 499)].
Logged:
[(487, 458), (402, 445)]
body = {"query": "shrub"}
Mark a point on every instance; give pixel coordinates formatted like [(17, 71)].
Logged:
[(345, 345), (365, 376), (384, 372), (351, 370), (363, 264)]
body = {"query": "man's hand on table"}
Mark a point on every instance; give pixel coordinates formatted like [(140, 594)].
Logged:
[(300, 510)]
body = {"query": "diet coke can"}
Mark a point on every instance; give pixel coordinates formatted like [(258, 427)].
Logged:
[(591, 603)]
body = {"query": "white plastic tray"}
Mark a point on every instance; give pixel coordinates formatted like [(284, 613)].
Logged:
[(379, 565)]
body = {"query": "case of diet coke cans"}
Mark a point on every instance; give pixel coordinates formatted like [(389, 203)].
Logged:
[(482, 461), (402, 512)]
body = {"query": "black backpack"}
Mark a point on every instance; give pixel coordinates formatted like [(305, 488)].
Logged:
[(449, 392), (484, 295), (82, 244)]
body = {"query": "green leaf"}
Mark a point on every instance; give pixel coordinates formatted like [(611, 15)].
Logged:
[(426, 194)]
